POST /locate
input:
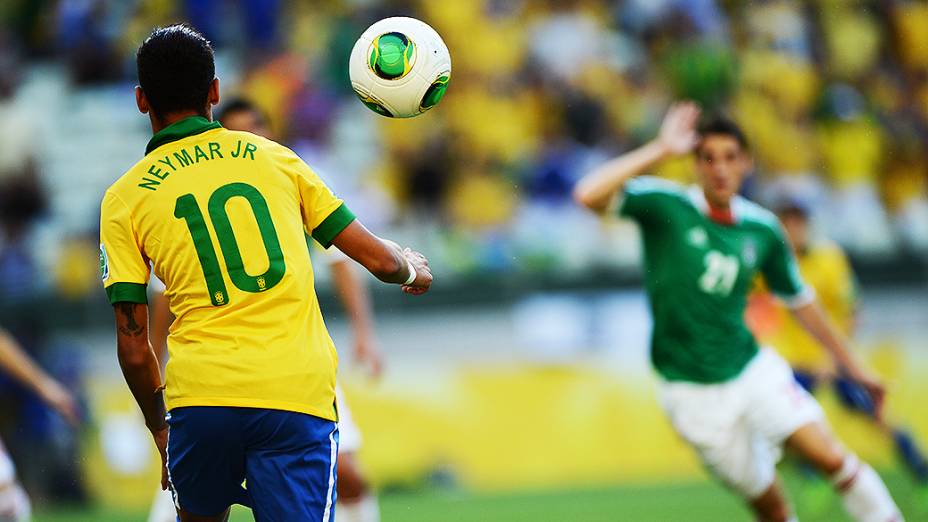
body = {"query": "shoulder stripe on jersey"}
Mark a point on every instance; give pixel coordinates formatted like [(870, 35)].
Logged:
[(749, 211), (650, 184)]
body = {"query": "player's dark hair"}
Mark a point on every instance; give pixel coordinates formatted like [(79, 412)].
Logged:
[(240, 105), (175, 66), (789, 207), (724, 126)]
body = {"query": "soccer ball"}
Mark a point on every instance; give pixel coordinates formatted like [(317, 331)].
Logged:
[(400, 67)]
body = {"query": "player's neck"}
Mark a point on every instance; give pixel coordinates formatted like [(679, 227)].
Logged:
[(720, 212), (158, 124)]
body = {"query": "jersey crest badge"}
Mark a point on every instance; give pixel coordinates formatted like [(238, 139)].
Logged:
[(104, 264), (697, 237)]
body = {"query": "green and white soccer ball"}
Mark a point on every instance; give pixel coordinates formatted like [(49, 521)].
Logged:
[(400, 67)]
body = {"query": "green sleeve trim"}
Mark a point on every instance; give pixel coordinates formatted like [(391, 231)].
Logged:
[(127, 293), (333, 225)]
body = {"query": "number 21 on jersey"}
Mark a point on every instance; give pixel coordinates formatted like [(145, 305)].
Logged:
[(188, 209), (721, 273)]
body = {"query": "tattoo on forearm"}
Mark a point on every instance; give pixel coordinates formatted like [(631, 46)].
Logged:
[(125, 320)]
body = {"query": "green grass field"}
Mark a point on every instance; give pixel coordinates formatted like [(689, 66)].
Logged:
[(693, 502)]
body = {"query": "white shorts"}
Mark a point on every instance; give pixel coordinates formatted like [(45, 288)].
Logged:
[(349, 436), (14, 504), (738, 427), (162, 507)]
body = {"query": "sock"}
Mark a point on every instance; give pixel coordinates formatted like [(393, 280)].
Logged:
[(914, 459), (863, 493), (364, 510)]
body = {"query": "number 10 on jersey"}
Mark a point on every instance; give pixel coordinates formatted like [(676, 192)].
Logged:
[(188, 209)]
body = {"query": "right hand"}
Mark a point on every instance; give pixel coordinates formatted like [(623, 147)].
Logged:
[(423, 279), (678, 135), (56, 396), (161, 441), (875, 389), (367, 354)]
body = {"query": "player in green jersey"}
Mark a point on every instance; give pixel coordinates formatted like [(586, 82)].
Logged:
[(734, 403)]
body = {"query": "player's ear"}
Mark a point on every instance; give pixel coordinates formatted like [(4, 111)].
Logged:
[(141, 101), (213, 94)]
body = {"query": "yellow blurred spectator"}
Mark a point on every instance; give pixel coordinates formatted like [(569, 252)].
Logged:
[(780, 146), (493, 124), (76, 272), (480, 200), (911, 19), (852, 150), (852, 40), (792, 83)]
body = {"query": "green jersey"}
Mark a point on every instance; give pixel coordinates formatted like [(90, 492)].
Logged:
[(698, 273)]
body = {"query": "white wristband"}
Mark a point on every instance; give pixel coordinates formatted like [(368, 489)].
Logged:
[(412, 273)]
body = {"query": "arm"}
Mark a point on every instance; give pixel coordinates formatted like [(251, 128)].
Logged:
[(814, 321), (354, 296), (20, 367), (849, 294), (125, 272), (138, 362), (329, 222), (385, 259), (141, 371), (784, 279), (677, 136)]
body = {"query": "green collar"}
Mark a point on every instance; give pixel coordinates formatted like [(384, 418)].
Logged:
[(188, 126)]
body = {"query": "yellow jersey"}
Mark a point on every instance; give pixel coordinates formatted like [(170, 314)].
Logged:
[(222, 217), (824, 267)]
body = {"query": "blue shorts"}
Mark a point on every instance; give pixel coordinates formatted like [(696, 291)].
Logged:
[(287, 461)]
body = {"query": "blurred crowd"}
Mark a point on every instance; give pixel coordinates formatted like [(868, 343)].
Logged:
[(833, 95)]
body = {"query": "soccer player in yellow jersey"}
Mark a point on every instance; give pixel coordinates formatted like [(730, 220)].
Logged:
[(825, 267), (221, 217), (356, 502)]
